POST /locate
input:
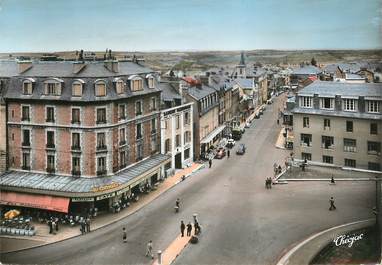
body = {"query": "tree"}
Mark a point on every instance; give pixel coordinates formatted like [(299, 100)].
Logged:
[(313, 62)]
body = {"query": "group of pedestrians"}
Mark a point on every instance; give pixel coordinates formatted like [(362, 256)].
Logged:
[(85, 225), (268, 183), (183, 228), (53, 225)]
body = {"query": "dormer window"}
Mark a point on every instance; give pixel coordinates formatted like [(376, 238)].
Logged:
[(100, 88), (373, 106), (150, 81), (53, 87), (28, 86), (136, 83), (349, 104), (77, 88), (119, 86), (306, 102), (327, 103)]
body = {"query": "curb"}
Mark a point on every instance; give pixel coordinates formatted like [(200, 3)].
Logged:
[(103, 226), (284, 260)]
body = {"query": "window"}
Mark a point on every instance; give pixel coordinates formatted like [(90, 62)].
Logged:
[(76, 142), (101, 115), (122, 136), (177, 140), (373, 106), (177, 121), (76, 166), (307, 156), (350, 163), (101, 165), (139, 131), (306, 139), (153, 103), (53, 87), (26, 161), (327, 159), (138, 108), (350, 145), (27, 87), (49, 114), (327, 103), (25, 113), (100, 89), (374, 166), (136, 84), (101, 141), (187, 153), (77, 89), (373, 148), (327, 142), (50, 166), (305, 122), (187, 137), (306, 102), (50, 139), (139, 151), (167, 145), (349, 104), (373, 128), (122, 159), (120, 87), (26, 138), (186, 118), (153, 144), (121, 112), (153, 126), (326, 124), (76, 115), (151, 82), (349, 126)]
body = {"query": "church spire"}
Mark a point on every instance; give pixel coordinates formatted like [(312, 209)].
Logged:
[(242, 60)]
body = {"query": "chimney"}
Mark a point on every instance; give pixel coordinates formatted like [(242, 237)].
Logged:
[(24, 66), (111, 65), (78, 67)]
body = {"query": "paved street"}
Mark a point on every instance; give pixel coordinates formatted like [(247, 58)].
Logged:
[(242, 222)]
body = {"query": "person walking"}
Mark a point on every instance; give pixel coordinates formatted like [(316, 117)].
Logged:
[(182, 228), (124, 235), (196, 228), (228, 153), (50, 226), (332, 180), (189, 229), (88, 224), (149, 249), (210, 162), (332, 206), (83, 228)]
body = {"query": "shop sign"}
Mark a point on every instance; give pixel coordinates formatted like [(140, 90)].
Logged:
[(105, 196), (110, 186), (347, 240), (79, 199), (122, 190)]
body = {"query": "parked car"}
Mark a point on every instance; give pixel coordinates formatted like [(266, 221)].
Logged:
[(220, 153), (241, 149), (230, 143)]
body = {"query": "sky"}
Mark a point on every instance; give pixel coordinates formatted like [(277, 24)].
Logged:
[(168, 25)]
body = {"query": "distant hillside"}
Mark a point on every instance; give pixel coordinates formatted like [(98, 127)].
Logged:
[(201, 60)]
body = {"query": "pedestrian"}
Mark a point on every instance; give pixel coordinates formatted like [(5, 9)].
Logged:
[(332, 206), (228, 153), (189, 229), (332, 180), (50, 226), (82, 222), (278, 122), (124, 235), (149, 249), (197, 228), (53, 227), (56, 224), (210, 162), (182, 228), (279, 169), (88, 224)]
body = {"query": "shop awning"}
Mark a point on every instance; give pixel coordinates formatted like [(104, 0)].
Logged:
[(46, 202), (212, 135)]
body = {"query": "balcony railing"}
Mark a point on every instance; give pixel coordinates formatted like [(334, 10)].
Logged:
[(49, 119), (26, 168), (374, 152), (123, 142), (26, 144), (138, 113), (75, 122), (101, 121), (101, 172), (25, 119), (76, 172), (50, 146), (76, 148), (50, 170), (101, 147)]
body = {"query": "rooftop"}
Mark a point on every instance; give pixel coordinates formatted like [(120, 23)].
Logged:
[(169, 91), (199, 92), (306, 70)]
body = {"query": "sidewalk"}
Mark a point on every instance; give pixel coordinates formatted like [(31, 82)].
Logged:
[(42, 237), (305, 251), (280, 143)]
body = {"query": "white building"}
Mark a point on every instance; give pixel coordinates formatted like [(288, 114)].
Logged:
[(177, 135)]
